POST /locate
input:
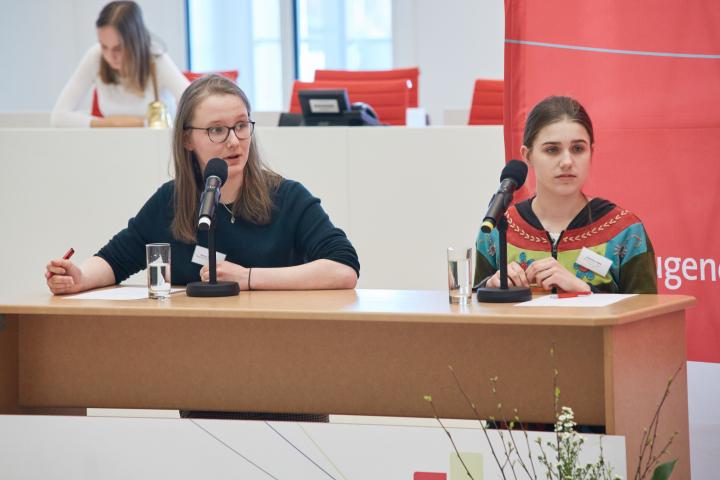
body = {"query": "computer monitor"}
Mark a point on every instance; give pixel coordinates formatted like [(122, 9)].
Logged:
[(323, 103), (329, 108)]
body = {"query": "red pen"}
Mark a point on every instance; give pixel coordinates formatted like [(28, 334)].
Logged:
[(572, 294), (67, 256)]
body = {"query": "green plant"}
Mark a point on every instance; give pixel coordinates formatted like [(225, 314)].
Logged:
[(560, 458)]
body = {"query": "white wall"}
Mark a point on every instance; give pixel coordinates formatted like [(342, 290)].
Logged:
[(453, 42), (44, 40)]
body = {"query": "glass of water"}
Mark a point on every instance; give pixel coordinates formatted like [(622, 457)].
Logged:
[(158, 269), (460, 274)]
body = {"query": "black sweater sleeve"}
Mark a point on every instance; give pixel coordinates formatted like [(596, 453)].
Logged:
[(125, 252), (315, 235)]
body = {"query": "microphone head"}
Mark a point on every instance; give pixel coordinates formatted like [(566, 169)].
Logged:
[(216, 167), (515, 170)]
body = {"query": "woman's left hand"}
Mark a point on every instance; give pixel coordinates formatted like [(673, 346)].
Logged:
[(227, 272), (548, 273)]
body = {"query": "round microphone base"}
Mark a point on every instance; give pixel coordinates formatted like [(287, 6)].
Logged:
[(219, 289), (498, 295)]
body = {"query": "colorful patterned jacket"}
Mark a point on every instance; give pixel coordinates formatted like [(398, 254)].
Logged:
[(601, 226)]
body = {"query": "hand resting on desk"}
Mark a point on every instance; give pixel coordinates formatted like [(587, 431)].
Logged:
[(547, 273), (516, 277), (64, 277)]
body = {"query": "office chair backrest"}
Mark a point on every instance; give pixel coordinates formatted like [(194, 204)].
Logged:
[(389, 98), (411, 74), (487, 103)]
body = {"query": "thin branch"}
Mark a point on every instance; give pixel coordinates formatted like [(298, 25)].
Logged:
[(662, 401), (428, 398), (508, 453), (500, 431), (653, 461), (556, 398), (544, 460), (512, 439), (527, 444), (653, 428), (479, 418)]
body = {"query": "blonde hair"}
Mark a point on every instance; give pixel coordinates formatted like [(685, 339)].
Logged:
[(253, 203), (126, 18)]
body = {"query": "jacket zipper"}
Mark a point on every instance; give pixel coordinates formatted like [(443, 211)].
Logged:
[(554, 252), (554, 248)]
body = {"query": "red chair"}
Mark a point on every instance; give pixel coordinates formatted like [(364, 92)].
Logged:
[(487, 103), (411, 74), (231, 74), (389, 98)]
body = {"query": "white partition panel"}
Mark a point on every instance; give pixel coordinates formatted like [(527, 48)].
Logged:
[(402, 195), (456, 116), (409, 193), (64, 188), (316, 157), (46, 447), (266, 119), (24, 119), (415, 192)]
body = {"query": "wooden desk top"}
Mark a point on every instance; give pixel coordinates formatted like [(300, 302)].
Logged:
[(364, 305)]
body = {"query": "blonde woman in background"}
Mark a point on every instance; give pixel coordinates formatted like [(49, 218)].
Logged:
[(120, 68)]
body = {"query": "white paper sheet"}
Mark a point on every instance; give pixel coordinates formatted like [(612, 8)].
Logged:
[(120, 293), (594, 300)]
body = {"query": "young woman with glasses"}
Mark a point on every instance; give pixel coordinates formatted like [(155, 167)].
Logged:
[(274, 232)]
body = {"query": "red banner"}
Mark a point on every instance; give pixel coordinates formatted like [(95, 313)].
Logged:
[(649, 76)]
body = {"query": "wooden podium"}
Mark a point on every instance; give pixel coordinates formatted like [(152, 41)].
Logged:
[(356, 352)]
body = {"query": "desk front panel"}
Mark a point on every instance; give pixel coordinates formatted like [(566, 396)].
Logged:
[(315, 366)]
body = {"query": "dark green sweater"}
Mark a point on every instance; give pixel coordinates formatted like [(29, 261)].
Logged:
[(300, 232)]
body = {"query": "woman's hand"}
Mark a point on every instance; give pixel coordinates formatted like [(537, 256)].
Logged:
[(516, 277), (548, 273), (227, 272), (63, 276)]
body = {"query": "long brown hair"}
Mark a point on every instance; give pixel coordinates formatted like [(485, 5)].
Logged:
[(127, 19), (253, 203), (554, 109)]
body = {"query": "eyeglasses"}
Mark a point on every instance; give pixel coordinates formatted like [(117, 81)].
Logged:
[(219, 133)]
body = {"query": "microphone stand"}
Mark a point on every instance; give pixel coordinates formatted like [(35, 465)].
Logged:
[(504, 294), (213, 288)]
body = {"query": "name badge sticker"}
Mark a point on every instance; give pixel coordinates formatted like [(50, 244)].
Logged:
[(593, 261), (201, 256)]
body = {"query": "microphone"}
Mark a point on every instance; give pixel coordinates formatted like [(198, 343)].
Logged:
[(512, 177), (216, 172)]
